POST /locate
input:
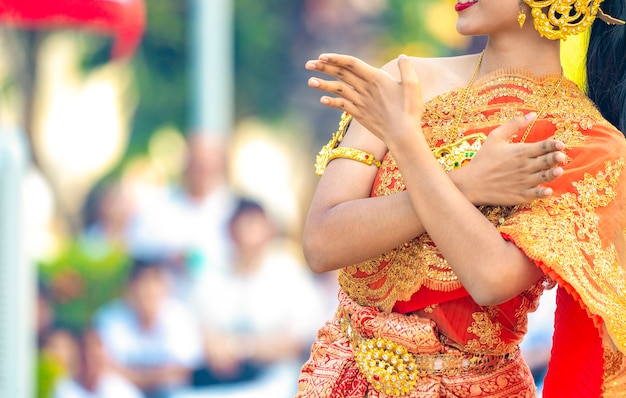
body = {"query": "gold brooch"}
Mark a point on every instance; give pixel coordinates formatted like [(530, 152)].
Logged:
[(457, 154)]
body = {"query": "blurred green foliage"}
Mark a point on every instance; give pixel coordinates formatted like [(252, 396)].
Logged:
[(48, 371), (85, 275), (160, 69)]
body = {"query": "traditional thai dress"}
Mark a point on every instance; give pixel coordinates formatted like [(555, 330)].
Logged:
[(406, 326)]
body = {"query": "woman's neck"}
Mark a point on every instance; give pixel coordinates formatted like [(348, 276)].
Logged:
[(536, 55)]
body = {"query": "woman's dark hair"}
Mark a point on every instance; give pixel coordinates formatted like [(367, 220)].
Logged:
[(606, 65)]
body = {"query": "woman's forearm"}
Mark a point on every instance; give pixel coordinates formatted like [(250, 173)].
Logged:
[(472, 246), (360, 229)]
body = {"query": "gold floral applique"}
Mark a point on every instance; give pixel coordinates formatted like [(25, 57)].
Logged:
[(488, 332), (488, 329), (391, 181), (530, 302), (429, 309), (569, 133), (397, 274)]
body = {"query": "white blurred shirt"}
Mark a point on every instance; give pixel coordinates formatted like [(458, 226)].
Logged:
[(281, 297), (174, 339), (175, 225), (110, 385)]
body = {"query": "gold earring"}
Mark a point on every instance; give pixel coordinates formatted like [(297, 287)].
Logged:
[(521, 17), (557, 19)]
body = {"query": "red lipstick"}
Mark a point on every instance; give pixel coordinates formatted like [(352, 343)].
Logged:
[(461, 7)]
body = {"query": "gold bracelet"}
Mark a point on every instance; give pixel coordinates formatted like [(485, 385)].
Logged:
[(332, 150)]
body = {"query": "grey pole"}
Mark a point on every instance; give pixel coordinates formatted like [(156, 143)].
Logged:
[(17, 276), (211, 56)]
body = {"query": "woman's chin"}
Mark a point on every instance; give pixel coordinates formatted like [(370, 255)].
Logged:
[(465, 29)]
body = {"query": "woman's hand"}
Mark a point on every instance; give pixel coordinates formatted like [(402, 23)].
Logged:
[(386, 106), (504, 173)]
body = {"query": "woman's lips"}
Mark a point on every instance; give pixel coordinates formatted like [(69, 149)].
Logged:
[(464, 6)]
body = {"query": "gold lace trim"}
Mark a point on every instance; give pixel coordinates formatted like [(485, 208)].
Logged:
[(485, 109)]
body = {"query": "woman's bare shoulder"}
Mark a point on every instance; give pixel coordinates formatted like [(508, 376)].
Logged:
[(439, 74)]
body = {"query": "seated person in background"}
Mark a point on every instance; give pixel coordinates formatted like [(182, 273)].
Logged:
[(259, 315), (151, 338), (57, 359), (93, 376)]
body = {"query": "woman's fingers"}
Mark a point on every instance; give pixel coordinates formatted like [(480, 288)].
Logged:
[(335, 87), (356, 84), (512, 127), (346, 68), (548, 150), (348, 99), (514, 173), (548, 160), (539, 193), (410, 80), (547, 175), (539, 156), (348, 63), (350, 74), (341, 73)]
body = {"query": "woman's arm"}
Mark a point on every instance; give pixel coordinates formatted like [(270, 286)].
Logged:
[(345, 226), (391, 109)]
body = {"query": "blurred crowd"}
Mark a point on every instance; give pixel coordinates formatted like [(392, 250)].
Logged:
[(189, 289), (181, 290)]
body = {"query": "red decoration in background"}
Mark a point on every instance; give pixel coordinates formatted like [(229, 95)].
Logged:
[(123, 19)]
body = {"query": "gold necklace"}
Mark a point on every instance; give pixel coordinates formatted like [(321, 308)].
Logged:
[(466, 93), (543, 108), (469, 88)]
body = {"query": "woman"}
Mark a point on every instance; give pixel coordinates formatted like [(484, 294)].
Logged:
[(439, 265)]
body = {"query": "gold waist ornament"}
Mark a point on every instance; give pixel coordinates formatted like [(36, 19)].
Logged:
[(391, 369)]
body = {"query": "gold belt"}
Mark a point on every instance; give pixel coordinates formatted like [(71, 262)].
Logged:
[(390, 368)]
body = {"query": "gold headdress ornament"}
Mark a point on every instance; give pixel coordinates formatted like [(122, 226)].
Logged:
[(564, 18), (574, 52)]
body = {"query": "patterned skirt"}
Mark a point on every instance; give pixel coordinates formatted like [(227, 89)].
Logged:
[(363, 352)]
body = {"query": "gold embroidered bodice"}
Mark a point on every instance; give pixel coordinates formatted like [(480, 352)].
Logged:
[(398, 274)]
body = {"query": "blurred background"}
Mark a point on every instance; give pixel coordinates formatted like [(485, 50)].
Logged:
[(156, 164)]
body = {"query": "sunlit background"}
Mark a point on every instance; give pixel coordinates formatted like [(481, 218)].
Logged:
[(105, 137)]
